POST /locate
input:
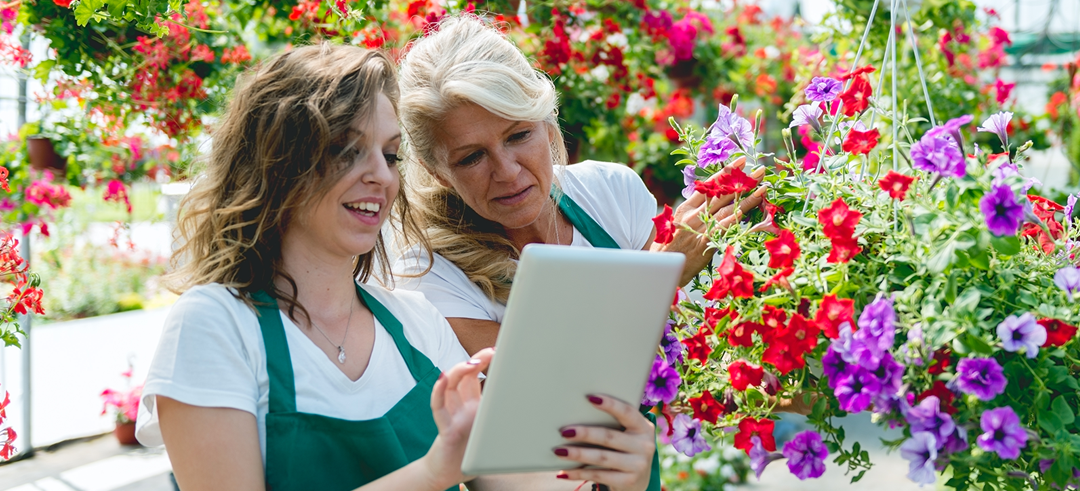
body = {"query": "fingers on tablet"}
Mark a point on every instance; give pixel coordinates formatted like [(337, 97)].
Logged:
[(608, 438), (625, 414), (606, 459)]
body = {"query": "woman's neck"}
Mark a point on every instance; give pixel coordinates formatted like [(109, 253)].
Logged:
[(551, 227), (324, 284)]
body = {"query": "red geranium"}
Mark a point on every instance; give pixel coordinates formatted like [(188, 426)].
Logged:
[(697, 347), (839, 220), (665, 226), (896, 184), (1057, 332), (861, 142), (706, 408), (742, 334), (761, 428), (744, 375), (832, 313), (783, 250)]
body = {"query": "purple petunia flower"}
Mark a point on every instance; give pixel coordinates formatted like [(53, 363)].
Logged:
[(687, 437), (1070, 205), (857, 390), (937, 152), (689, 176), (1068, 279), (729, 124), (823, 89), (998, 124), (670, 344), (1021, 332), (876, 334), (663, 383), (957, 442), (759, 457), (715, 150), (927, 416), (980, 377), (891, 375), (833, 366), (1002, 433), (953, 126), (1003, 213), (806, 115), (806, 455), (921, 451)]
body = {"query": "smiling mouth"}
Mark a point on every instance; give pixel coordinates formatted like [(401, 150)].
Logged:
[(364, 208)]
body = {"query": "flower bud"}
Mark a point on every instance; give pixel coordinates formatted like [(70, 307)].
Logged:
[(770, 383), (729, 401)]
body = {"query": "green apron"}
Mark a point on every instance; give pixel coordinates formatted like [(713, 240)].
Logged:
[(596, 236), (310, 451)]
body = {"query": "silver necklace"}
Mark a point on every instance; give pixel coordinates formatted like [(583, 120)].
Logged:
[(340, 347)]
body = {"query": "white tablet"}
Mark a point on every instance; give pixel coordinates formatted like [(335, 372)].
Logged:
[(578, 321)]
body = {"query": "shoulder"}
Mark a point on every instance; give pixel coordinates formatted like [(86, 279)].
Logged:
[(210, 301), (424, 326), (594, 172)]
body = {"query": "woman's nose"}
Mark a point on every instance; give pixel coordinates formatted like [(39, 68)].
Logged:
[(505, 166)]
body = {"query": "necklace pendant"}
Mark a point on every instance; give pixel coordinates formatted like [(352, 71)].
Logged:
[(341, 354)]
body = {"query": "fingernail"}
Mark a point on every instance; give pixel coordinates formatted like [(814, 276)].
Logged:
[(441, 376), (596, 400), (473, 361), (562, 476), (569, 433), (561, 452)]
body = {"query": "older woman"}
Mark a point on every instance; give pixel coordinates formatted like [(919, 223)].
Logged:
[(488, 176)]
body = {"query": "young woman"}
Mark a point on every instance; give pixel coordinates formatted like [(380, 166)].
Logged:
[(488, 176), (276, 368)]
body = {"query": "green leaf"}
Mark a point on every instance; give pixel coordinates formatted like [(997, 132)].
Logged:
[(976, 344), (86, 9), (1062, 410), (1050, 422), (943, 258), (1008, 246), (967, 300)]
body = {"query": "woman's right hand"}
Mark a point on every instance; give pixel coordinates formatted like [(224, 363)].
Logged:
[(454, 401)]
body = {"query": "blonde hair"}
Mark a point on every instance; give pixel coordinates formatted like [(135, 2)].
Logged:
[(278, 148), (467, 61)]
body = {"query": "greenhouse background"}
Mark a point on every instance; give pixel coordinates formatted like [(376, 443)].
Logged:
[(99, 262)]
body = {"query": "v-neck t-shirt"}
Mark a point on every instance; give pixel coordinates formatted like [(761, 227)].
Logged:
[(211, 354), (611, 194)]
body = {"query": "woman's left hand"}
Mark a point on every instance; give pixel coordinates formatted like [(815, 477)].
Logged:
[(625, 461)]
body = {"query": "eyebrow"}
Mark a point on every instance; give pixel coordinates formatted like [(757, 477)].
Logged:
[(508, 130)]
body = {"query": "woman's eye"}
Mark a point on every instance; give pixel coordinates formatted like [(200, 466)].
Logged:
[(470, 159), (392, 159), (518, 136)]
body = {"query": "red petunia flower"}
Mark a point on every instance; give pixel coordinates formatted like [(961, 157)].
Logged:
[(801, 335), (783, 250), (732, 278), (761, 428), (1044, 208), (665, 226), (736, 181), (832, 313), (839, 220), (769, 223), (709, 188), (944, 395), (863, 70), (857, 97), (784, 359), (1057, 332), (941, 360), (741, 334), (896, 184), (861, 141), (697, 346), (843, 250), (774, 319), (779, 278), (744, 375), (714, 316), (706, 408)]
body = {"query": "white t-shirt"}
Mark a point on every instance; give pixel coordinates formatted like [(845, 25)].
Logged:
[(612, 194), (211, 354)]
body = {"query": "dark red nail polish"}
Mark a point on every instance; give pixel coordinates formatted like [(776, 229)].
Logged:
[(569, 433), (562, 476), (596, 400), (561, 452)]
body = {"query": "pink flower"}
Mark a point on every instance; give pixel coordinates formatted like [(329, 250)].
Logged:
[(1003, 90)]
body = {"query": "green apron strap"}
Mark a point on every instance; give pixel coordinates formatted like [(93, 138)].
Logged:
[(418, 364), (585, 224), (278, 361)]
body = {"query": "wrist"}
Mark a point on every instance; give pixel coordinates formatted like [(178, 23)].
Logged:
[(429, 474)]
